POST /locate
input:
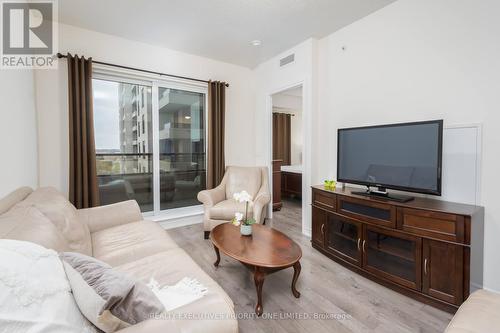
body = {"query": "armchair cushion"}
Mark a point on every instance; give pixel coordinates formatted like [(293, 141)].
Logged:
[(243, 178), (226, 209)]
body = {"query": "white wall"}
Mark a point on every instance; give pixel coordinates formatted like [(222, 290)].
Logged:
[(285, 101), (271, 79), (52, 102), (417, 60), (19, 156)]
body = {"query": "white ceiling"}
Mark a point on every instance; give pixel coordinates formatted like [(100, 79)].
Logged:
[(218, 29)]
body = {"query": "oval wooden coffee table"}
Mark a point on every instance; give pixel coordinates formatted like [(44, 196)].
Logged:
[(265, 252)]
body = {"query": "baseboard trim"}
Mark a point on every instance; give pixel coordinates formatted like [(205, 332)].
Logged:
[(476, 286), (180, 221), (489, 289)]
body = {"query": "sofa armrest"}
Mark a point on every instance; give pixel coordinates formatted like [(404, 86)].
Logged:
[(104, 217), (209, 198)]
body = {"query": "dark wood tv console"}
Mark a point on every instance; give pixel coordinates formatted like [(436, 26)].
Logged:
[(420, 248)]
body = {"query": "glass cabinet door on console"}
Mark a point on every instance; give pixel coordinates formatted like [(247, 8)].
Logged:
[(343, 238), (394, 256)]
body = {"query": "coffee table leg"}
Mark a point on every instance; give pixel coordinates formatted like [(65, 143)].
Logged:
[(216, 263), (296, 272), (258, 277)]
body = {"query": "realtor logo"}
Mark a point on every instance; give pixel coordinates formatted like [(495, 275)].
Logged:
[(28, 34)]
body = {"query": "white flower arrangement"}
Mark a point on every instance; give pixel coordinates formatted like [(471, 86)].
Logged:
[(242, 197), (237, 218)]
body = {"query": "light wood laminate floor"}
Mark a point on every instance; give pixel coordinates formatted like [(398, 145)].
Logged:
[(326, 288)]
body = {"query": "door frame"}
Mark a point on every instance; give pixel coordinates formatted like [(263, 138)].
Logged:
[(306, 147), (156, 81)]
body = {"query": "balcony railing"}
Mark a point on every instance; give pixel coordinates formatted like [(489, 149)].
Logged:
[(125, 176)]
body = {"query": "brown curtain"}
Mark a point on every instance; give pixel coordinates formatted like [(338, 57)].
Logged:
[(215, 153), (282, 137), (83, 190)]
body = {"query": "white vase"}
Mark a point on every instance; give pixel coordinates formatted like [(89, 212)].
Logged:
[(246, 230)]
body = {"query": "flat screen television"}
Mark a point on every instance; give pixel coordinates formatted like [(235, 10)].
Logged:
[(404, 157)]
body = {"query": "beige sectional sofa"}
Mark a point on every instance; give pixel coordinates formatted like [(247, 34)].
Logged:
[(478, 314), (118, 235)]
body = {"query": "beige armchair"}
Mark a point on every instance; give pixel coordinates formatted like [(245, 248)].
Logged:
[(219, 204)]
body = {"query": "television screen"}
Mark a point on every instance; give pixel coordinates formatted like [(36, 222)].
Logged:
[(400, 156)]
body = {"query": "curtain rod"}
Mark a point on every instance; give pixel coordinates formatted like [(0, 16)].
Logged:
[(60, 55)]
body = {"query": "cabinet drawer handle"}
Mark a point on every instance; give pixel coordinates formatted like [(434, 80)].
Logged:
[(359, 240), (364, 241), (425, 266), (323, 228)]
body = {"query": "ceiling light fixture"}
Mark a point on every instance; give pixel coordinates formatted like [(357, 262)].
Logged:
[(187, 117), (256, 42)]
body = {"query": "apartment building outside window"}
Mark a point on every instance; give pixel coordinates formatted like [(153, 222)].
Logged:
[(152, 150)]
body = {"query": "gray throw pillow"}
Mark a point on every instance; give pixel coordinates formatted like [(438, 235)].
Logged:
[(109, 299)]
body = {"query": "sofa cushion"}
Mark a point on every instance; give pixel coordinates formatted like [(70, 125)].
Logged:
[(35, 295), (29, 224), (13, 198), (129, 242), (63, 215), (226, 209), (479, 313), (170, 267), (243, 179), (108, 298)]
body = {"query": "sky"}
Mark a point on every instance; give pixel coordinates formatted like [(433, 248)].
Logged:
[(106, 114)]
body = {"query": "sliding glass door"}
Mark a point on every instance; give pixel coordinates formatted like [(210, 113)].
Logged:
[(150, 142), (181, 125)]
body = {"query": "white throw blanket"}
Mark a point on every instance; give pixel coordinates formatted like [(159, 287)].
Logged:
[(35, 295), (183, 292)]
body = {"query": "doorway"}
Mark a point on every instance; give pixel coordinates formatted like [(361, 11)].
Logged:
[(287, 155)]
